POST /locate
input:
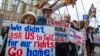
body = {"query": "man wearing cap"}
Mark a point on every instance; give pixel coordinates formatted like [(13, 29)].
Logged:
[(63, 49), (27, 18)]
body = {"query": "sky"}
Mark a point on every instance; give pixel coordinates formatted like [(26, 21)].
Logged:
[(72, 11)]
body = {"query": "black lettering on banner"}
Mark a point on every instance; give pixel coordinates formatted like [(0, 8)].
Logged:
[(60, 29)]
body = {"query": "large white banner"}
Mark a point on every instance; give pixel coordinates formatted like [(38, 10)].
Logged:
[(30, 40)]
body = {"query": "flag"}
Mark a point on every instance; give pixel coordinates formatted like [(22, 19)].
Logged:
[(92, 12)]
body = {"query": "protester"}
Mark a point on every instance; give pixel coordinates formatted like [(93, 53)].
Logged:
[(67, 48), (42, 20), (96, 51), (75, 25), (28, 18), (67, 18), (89, 41), (74, 47), (83, 26), (63, 48)]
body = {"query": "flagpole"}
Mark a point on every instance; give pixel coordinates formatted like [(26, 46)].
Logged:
[(12, 18), (60, 14), (77, 16), (83, 6), (67, 10)]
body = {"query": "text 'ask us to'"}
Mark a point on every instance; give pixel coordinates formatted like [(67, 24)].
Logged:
[(31, 36)]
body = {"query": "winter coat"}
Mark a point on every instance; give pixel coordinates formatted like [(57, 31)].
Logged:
[(41, 21)]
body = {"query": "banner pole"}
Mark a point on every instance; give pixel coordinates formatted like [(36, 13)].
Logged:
[(67, 10), (15, 11), (60, 14)]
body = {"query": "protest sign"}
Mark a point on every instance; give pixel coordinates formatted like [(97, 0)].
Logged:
[(96, 35), (75, 37), (96, 38), (83, 35), (30, 40), (61, 30)]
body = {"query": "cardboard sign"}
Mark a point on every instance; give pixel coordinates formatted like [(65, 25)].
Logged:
[(30, 40), (75, 37), (61, 30)]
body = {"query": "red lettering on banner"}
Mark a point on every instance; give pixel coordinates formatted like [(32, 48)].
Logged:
[(78, 42), (49, 37), (29, 35), (43, 44), (39, 37), (77, 37), (58, 23), (50, 21), (12, 51), (16, 35)]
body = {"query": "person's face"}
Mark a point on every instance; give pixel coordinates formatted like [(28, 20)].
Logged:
[(29, 19), (67, 18), (47, 14)]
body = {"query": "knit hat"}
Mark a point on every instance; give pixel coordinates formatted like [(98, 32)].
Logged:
[(25, 14), (28, 13)]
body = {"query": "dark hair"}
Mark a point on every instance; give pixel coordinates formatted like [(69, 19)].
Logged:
[(46, 9)]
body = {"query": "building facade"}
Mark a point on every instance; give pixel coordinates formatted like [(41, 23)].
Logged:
[(8, 7)]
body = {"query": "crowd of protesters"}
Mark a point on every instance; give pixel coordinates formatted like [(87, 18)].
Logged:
[(88, 48)]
